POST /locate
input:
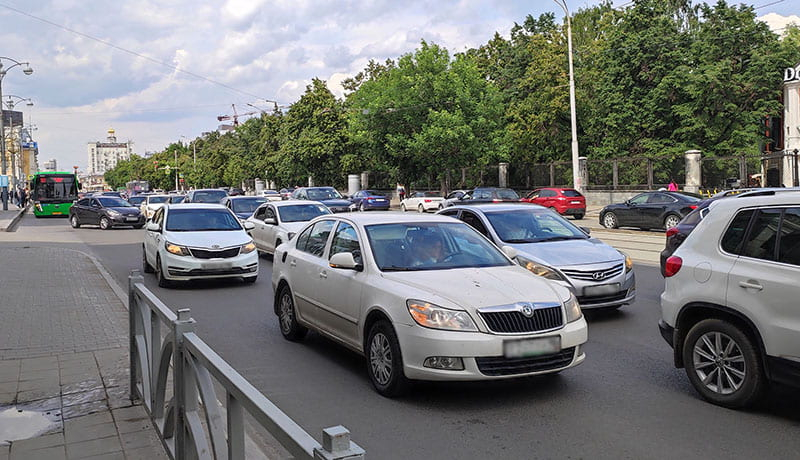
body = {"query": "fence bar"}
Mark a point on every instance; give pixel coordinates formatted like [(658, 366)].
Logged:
[(235, 427), (615, 173)]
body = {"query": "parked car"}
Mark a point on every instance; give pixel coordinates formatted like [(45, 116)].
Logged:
[(205, 195), (105, 211), (198, 241), (550, 246), (112, 193), (328, 196), (650, 210), (271, 195), (422, 201), (451, 198), (152, 203), (366, 200), (243, 206), (405, 291), (729, 307), (278, 222), (235, 191), (565, 201), (137, 200), (285, 193), (486, 195)]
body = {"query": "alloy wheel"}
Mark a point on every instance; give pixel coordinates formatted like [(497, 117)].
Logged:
[(380, 358), (287, 312), (104, 223), (719, 363), (671, 221), (610, 220), (420, 208), (74, 222)]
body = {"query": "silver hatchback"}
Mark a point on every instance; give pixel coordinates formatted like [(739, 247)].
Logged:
[(550, 246)]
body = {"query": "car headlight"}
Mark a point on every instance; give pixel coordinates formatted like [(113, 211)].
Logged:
[(539, 269), (433, 316), (573, 308), (247, 248), (628, 262), (113, 213), (177, 250)]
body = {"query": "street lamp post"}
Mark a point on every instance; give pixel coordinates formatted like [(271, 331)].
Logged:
[(576, 174), (3, 71), (10, 103)]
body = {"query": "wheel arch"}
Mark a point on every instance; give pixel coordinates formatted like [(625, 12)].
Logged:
[(275, 301), (695, 312), (374, 315)]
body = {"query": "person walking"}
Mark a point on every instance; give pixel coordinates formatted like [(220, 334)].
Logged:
[(401, 191), (672, 187), (15, 197), (23, 197)]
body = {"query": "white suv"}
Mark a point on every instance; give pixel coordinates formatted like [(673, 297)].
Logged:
[(730, 306)]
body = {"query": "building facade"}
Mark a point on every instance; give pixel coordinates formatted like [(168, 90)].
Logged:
[(50, 165), (105, 155)]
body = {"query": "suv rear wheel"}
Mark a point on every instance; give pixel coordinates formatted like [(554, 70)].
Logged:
[(723, 364)]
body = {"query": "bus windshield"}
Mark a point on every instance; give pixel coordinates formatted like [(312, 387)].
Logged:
[(55, 188)]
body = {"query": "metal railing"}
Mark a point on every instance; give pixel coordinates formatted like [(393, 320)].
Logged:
[(191, 423)]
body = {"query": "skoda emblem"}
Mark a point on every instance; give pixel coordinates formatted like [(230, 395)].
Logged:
[(527, 310), (597, 276)]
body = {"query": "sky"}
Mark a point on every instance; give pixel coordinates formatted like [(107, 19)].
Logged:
[(161, 71)]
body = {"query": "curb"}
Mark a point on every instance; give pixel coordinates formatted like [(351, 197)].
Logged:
[(14, 220)]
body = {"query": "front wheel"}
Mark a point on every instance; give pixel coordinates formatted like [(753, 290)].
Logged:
[(420, 208), (361, 207), (610, 220), (287, 317), (723, 364), (73, 221), (403, 207), (146, 267), (105, 224), (385, 361), (162, 280), (671, 221)]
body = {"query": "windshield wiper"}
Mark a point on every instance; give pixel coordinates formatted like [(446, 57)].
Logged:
[(395, 268), (562, 238), (521, 240)]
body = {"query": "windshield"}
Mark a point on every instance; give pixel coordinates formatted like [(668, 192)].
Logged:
[(431, 246), (136, 200), (177, 198), (246, 205), (319, 194), (531, 226), (201, 220), (507, 194), (158, 199), (56, 188), (301, 212), (111, 202), (209, 196)]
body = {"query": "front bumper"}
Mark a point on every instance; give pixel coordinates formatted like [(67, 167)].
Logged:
[(419, 343), (339, 208), (124, 220), (184, 268), (624, 296)]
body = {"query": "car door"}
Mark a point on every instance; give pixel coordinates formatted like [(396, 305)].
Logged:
[(547, 198), (152, 239), (341, 310), (79, 209), (306, 264), (270, 231), (257, 233), (628, 214), (763, 280), (95, 210), (474, 221), (653, 212)]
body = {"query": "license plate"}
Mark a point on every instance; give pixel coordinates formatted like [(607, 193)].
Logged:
[(531, 347), (216, 265), (574, 202), (380, 201), (603, 289), (131, 219), (57, 213)]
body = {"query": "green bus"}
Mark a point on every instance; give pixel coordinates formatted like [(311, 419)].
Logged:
[(53, 193)]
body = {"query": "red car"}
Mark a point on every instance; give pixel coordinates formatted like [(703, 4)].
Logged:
[(565, 201)]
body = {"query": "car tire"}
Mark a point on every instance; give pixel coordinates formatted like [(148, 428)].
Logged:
[(440, 206), (105, 224), (709, 345), (162, 281), (385, 360), (287, 317), (146, 267), (577, 216), (403, 207), (671, 220), (74, 222), (610, 220), (361, 207), (420, 208)]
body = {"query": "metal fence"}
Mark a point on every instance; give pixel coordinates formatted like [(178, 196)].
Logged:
[(190, 419)]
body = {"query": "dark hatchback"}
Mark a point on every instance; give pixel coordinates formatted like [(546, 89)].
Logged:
[(486, 195), (328, 196), (206, 195), (105, 211), (650, 210), (365, 200), (243, 206)]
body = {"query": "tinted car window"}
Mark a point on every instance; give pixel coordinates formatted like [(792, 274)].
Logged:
[(474, 221), (571, 193), (302, 240), (763, 235), (660, 198), (346, 240), (639, 199), (530, 226), (111, 202), (157, 199), (732, 239), (430, 194), (175, 199), (247, 204), (200, 220), (482, 195), (208, 196), (318, 237), (301, 212), (789, 246), (319, 194), (694, 217), (136, 200), (508, 194), (547, 193), (83, 202)]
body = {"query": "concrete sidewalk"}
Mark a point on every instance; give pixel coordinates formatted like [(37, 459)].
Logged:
[(10, 217), (63, 362)]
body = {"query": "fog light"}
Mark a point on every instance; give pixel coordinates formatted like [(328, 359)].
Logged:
[(444, 362)]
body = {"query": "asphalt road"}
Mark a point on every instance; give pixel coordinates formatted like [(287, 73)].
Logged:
[(625, 401)]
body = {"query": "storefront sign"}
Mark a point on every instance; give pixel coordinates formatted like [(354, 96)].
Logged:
[(791, 74)]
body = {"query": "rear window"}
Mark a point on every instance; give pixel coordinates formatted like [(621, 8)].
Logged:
[(507, 194), (734, 235), (571, 193), (209, 196), (431, 194)]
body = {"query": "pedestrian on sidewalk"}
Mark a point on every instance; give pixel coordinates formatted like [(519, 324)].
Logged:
[(23, 197), (401, 191), (672, 187)]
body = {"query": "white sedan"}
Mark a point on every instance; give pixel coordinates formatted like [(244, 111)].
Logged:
[(277, 222), (422, 201), (423, 298), (153, 203), (198, 241)]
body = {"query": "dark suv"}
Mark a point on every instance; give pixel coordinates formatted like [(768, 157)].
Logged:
[(205, 195)]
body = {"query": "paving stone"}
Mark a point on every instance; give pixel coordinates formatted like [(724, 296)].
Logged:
[(9, 375), (133, 413), (79, 410), (150, 453), (8, 387), (114, 456), (83, 397), (139, 439), (4, 452), (39, 364), (100, 446), (47, 374), (37, 394), (81, 386), (91, 420), (8, 398), (38, 384), (50, 440), (47, 453), (74, 434), (42, 405), (118, 397)]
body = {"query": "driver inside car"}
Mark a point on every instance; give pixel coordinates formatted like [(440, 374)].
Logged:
[(428, 250)]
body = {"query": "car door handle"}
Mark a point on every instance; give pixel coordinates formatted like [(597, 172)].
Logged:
[(323, 274), (751, 285), (293, 263)]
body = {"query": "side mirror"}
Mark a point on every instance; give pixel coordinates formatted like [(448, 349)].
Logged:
[(346, 261), (510, 252), (628, 202), (153, 227), (586, 230), (249, 225), (271, 221)]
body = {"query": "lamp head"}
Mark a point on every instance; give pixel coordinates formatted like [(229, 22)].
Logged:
[(27, 70)]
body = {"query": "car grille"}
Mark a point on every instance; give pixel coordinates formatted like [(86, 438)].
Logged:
[(588, 301), (499, 365), (594, 275), (507, 322), (215, 254)]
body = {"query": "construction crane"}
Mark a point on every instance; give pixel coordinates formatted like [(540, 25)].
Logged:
[(235, 116)]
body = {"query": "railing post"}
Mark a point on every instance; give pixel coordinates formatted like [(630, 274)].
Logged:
[(649, 174), (615, 174), (552, 174), (133, 307), (182, 325), (336, 445)]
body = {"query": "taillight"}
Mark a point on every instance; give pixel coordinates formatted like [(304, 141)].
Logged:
[(496, 200), (672, 266), (672, 231), (692, 206), (427, 201)]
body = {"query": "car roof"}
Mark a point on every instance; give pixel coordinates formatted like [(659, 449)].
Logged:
[(196, 206), (498, 207), (789, 198), (292, 203), (370, 218), (244, 197), (159, 195)]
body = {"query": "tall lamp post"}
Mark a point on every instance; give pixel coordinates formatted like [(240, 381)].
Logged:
[(12, 101), (3, 71), (576, 174)]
